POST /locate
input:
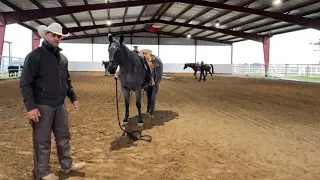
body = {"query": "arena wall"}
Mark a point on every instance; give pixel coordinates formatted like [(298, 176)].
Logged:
[(167, 67)]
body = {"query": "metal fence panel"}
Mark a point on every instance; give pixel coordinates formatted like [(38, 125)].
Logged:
[(298, 72)]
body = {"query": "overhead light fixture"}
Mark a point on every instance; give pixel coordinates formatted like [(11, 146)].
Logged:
[(189, 35), (276, 2), (108, 22), (217, 23)]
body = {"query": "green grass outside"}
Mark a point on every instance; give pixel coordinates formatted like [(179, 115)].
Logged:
[(305, 78), (297, 78), (6, 76)]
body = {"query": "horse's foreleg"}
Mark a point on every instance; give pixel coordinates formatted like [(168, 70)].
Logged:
[(126, 94), (138, 104), (195, 74)]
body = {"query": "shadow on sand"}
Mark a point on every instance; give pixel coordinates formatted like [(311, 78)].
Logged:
[(160, 117), (72, 174)]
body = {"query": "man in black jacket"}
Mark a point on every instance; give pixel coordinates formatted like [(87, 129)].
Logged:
[(202, 71), (45, 83)]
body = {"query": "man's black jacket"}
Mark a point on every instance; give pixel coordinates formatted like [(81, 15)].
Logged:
[(45, 78)]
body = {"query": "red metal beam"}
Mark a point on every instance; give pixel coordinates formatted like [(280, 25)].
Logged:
[(35, 40), (28, 15), (266, 53), (307, 22), (2, 33)]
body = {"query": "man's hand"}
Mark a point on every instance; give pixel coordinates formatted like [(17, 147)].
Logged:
[(75, 104), (34, 115)]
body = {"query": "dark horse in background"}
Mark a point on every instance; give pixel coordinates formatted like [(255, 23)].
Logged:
[(133, 75), (13, 70), (196, 67)]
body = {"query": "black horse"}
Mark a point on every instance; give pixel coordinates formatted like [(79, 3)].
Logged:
[(13, 70), (196, 67), (105, 64)]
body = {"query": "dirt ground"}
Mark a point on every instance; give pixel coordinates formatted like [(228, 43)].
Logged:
[(227, 128)]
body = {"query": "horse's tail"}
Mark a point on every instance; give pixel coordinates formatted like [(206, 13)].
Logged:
[(212, 68)]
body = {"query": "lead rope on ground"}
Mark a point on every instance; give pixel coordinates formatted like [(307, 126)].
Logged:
[(131, 135)]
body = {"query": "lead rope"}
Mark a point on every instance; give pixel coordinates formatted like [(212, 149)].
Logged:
[(133, 135)]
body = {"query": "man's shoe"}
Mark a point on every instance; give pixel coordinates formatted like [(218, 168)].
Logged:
[(75, 167), (51, 177)]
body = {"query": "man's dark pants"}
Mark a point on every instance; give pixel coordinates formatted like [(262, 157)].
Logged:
[(52, 119), (202, 75)]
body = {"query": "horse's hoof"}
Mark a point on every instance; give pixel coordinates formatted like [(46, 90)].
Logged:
[(140, 124), (151, 116), (124, 123)]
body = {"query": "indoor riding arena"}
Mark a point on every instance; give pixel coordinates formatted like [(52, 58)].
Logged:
[(245, 122)]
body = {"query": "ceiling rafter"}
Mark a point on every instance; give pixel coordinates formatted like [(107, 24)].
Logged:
[(124, 16), (14, 7), (165, 10), (16, 17), (250, 36), (220, 15), (179, 14), (91, 16), (289, 9), (36, 3), (63, 4), (139, 17), (143, 30)]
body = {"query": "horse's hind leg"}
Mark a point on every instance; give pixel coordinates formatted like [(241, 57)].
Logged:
[(153, 100), (149, 92), (138, 104)]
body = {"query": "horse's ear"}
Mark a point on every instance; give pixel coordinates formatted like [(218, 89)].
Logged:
[(121, 39), (110, 38)]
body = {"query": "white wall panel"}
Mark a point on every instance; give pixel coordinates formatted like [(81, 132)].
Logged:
[(167, 67)]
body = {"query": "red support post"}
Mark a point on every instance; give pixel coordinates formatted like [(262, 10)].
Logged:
[(35, 40), (2, 33), (266, 53)]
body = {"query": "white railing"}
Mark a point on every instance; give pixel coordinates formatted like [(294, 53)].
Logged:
[(7, 61), (299, 72)]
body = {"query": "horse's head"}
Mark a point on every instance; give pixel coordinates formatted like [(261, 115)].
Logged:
[(115, 54), (185, 66)]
